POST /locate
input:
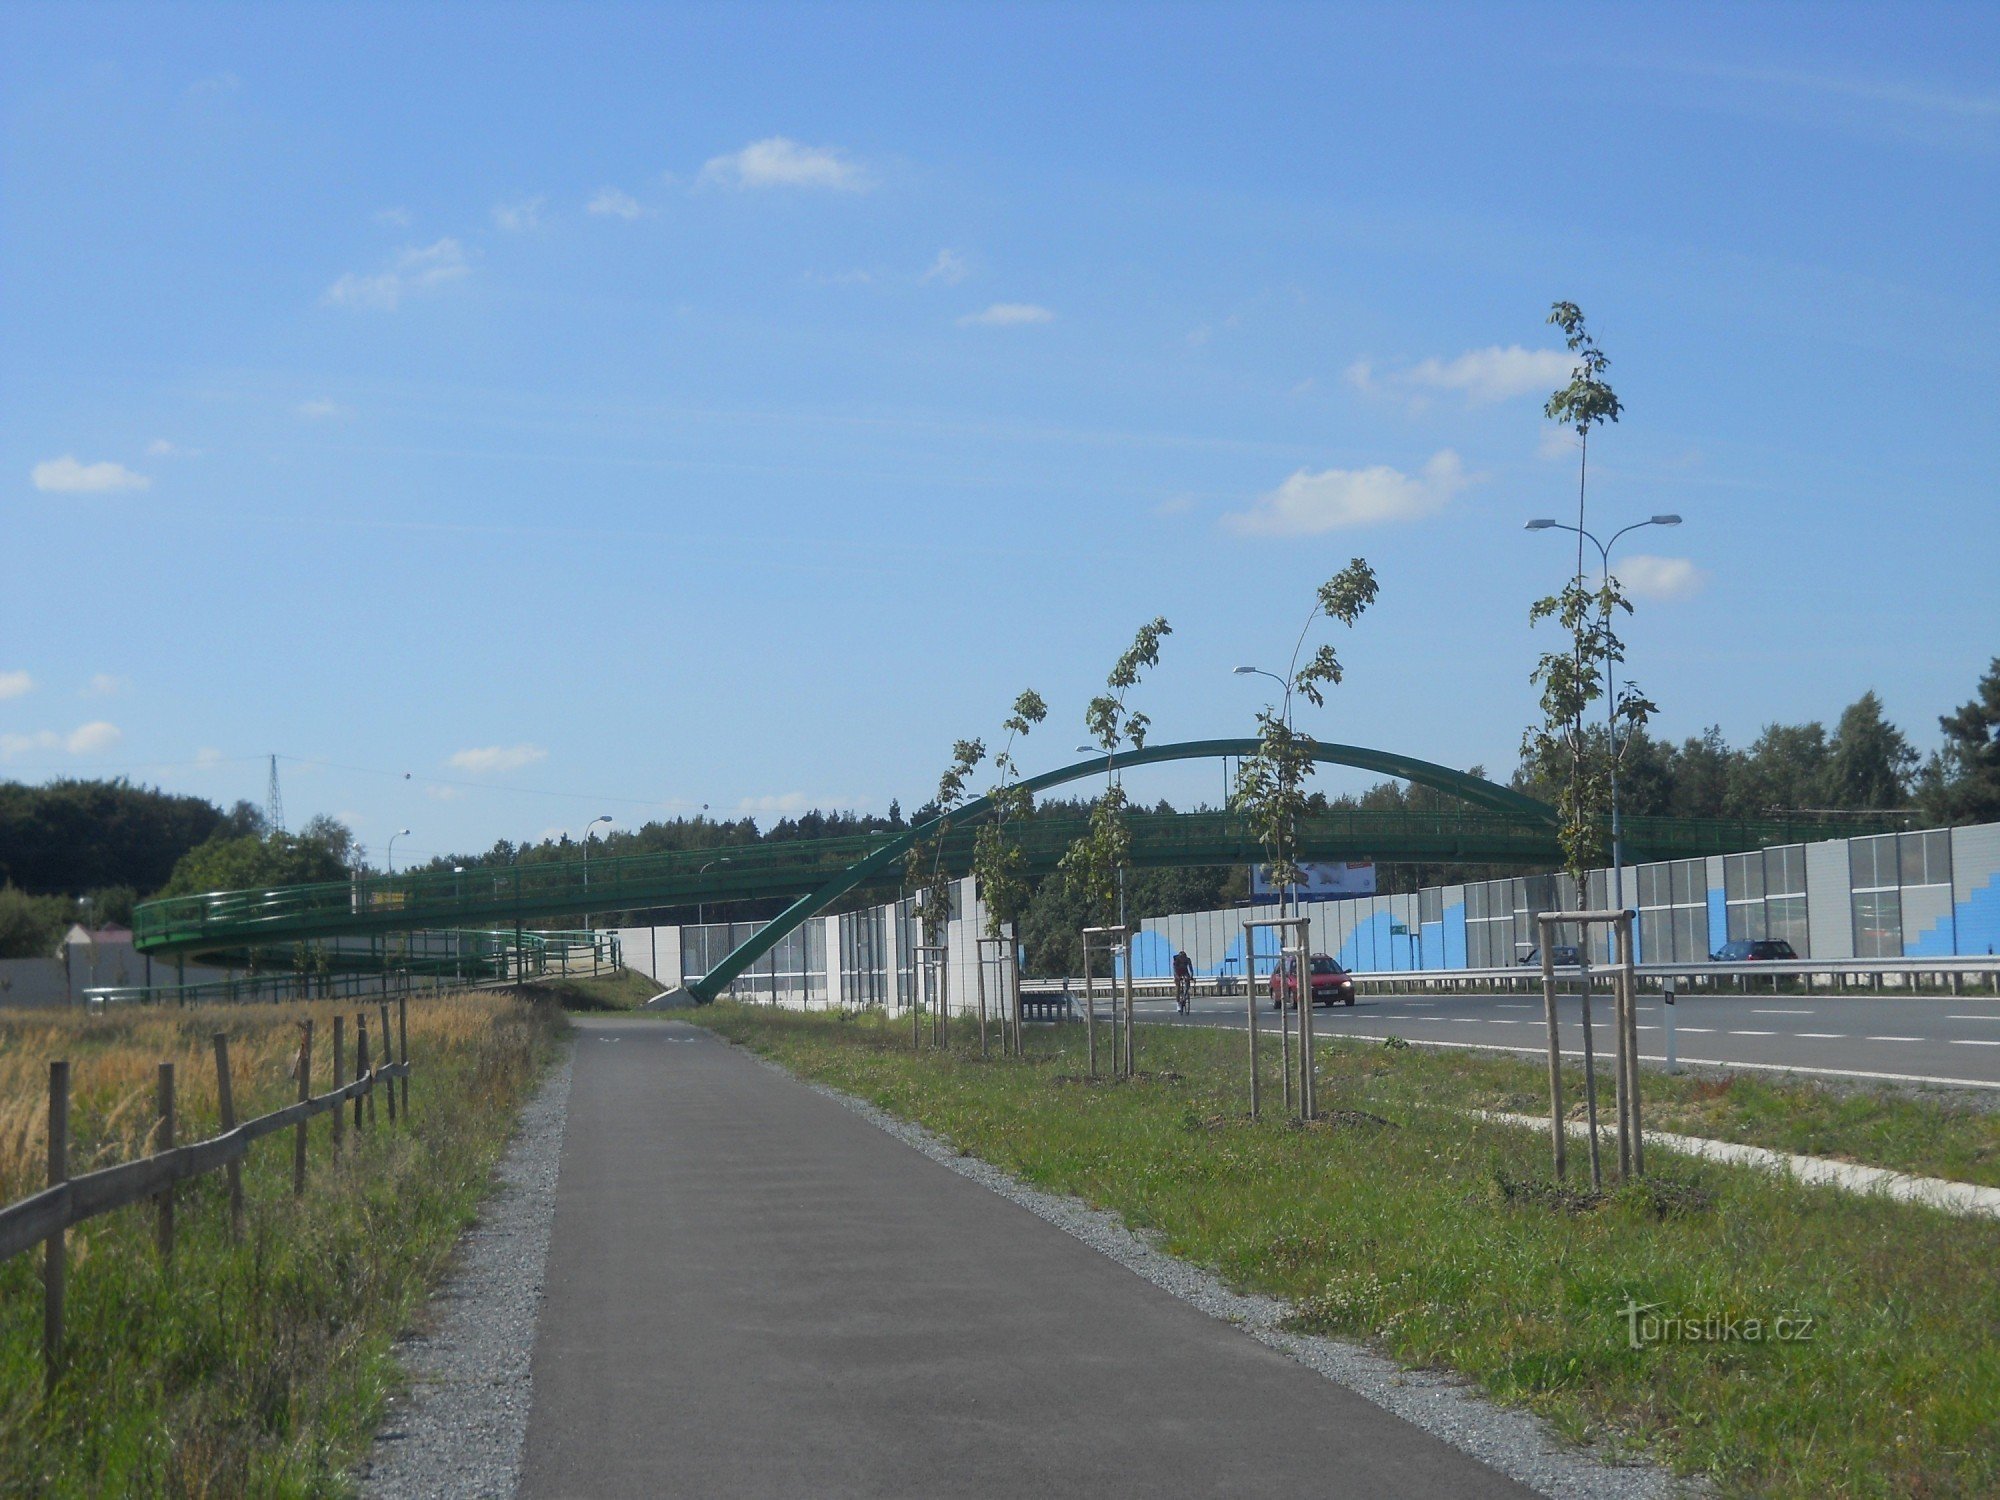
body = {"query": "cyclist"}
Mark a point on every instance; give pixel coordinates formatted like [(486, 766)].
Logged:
[(1183, 981)]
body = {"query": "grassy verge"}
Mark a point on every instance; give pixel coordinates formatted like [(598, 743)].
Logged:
[(1437, 1238), (627, 989), (1933, 1133), (256, 1368)]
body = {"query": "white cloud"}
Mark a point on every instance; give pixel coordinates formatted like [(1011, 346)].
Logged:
[(104, 685), (15, 684), (66, 476), (950, 267), (417, 269), (161, 448), (394, 218), (619, 205), (519, 218), (85, 739), (779, 162), (498, 757), (1007, 315), (88, 739), (781, 805), (1661, 578), (322, 409), (1555, 443), (1308, 503), (1481, 376)]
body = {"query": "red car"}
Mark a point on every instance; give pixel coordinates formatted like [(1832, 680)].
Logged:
[(1331, 984)]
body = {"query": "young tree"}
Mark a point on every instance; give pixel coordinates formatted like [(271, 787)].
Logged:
[(997, 862), (1570, 683), (1093, 864), (934, 904), (1270, 784)]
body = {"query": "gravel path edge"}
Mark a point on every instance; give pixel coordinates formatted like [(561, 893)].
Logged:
[(459, 1432)]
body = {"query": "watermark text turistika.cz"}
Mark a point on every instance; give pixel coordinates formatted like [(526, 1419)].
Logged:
[(1646, 1324)]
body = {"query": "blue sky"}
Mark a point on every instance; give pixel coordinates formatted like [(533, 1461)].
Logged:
[(630, 409)]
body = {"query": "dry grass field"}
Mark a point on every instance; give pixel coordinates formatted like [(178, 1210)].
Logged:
[(259, 1366)]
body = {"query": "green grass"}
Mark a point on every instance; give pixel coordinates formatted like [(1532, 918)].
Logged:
[(1405, 1224), (623, 989), (258, 1368), (1930, 1132)]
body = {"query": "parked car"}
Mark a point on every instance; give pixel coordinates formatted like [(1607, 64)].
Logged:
[(1331, 984), (1753, 950), (1565, 955)]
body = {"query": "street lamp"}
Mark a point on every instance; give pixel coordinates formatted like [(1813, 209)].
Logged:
[(585, 838), (701, 909), (1543, 523), (391, 856), (458, 933)]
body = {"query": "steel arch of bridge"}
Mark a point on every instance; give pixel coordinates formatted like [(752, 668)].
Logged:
[(1473, 789)]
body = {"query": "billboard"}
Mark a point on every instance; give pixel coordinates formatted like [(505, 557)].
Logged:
[(1321, 882)]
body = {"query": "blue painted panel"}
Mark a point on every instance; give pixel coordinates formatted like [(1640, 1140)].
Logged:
[(1979, 919), (1454, 936), (1718, 923), (1432, 950)]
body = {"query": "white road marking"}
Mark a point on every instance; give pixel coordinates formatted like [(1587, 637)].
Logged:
[(1723, 1062), (1780, 1012), (1962, 1042), (1753, 1033), (1894, 1039), (1972, 1018), (1697, 1028), (1823, 1036), (1512, 1005)]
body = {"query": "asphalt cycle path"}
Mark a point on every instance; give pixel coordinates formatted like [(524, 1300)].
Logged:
[(753, 1291)]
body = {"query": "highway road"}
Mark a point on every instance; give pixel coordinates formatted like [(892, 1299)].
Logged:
[(1933, 1040)]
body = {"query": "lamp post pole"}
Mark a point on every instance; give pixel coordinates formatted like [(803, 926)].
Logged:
[(601, 818), (701, 910), (390, 857), (1610, 688)]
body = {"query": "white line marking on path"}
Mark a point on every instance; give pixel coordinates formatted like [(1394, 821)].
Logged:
[(1972, 1018), (1753, 1033), (1967, 1042), (1894, 1039), (1780, 1012), (1823, 1036)]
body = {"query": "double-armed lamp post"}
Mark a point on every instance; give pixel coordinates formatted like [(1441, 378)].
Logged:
[(1610, 687)]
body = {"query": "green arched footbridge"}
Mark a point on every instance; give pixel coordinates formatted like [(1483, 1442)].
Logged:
[(1499, 826)]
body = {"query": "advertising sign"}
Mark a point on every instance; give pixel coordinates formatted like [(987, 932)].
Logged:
[(1322, 882)]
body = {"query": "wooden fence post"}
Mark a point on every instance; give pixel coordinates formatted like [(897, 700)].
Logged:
[(403, 1028), (55, 1261), (305, 1093), (339, 1109), (388, 1056), (225, 1100), (366, 1099), (166, 1143)]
